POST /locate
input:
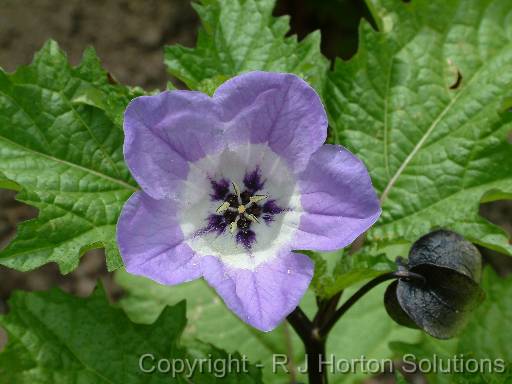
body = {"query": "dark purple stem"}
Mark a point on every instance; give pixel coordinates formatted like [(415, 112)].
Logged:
[(313, 344), (329, 324), (314, 333)]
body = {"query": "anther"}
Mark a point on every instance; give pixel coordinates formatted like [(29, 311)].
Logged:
[(251, 217), (256, 198), (223, 208), (233, 226), (237, 192)]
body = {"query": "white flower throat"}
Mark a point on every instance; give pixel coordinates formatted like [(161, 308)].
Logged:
[(240, 204)]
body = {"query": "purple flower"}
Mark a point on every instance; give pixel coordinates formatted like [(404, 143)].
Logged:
[(232, 184)]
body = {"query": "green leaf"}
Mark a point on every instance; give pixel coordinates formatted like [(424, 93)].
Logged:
[(61, 143), (209, 319), (58, 338), (400, 379), (486, 337), (8, 184), (366, 330), (239, 36), (347, 270), (488, 334), (424, 103), (212, 322), (242, 373)]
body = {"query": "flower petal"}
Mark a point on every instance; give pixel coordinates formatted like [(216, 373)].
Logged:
[(275, 108), (151, 242), (265, 296), (338, 200), (163, 133)]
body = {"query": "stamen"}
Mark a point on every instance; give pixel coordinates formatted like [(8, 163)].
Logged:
[(223, 208), (251, 217), (233, 226), (240, 209), (257, 198), (237, 192)]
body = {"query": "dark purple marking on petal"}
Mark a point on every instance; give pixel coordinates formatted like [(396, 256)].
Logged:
[(253, 182), (220, 189), (268, 218), (243, 223), (246, 238), (272, 208), (216, 223), (232, 200), (245, 196), (230, 216), (255, 210)]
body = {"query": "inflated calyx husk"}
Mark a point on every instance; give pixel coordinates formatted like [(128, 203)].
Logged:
[(439, 303)]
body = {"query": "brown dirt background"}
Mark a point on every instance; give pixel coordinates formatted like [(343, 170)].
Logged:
[(129, 36)]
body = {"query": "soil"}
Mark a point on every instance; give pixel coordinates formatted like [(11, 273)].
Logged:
[(128, 35)]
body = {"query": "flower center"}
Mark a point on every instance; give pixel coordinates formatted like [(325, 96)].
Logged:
[(241, 209), (237, 208)]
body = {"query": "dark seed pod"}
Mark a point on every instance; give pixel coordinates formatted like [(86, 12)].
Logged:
[(451, 268)]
